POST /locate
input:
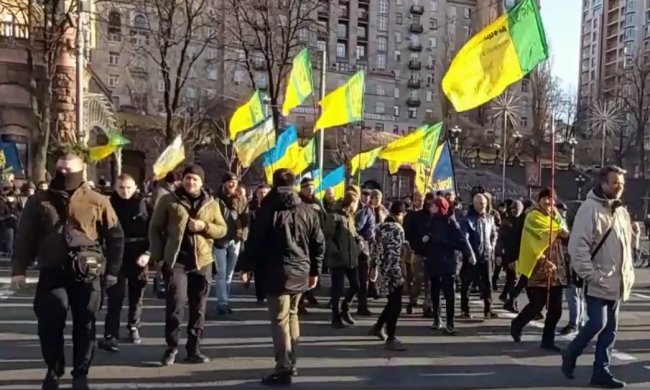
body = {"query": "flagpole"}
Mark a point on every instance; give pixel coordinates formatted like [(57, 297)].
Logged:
[(504, 155), (321, 132), (553, 209), (360, 149)]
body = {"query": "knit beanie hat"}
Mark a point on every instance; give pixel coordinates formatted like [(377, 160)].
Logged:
[(194, 170)]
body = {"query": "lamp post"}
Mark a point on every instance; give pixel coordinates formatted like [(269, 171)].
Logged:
[(580, 182), (572, 145), (455, 134)]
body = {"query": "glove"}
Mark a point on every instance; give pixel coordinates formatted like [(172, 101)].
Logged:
[(425, 239), (110, 281)]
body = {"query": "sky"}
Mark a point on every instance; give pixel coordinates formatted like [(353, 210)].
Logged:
[(561, 20)]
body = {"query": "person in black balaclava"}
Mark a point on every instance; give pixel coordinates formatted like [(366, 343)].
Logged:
[(70, 221), (131, 211)]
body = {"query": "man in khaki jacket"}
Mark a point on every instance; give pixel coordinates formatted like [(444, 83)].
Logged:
[(604, 260), (183, 227)]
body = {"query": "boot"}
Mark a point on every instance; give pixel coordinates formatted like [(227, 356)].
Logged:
[(337, 323), (428, 313), (51, 381), (568, 365), (605, 379), (436, 324), (409, 309), (80, 383), (169, 357), (345, 314)]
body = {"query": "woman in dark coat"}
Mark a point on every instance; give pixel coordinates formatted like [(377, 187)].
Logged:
[(444, 239)]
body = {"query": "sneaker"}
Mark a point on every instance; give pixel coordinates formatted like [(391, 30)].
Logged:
[(50, 382), (80, 383), (365, 312), (197, 358), (337, 323), (294, 371), (539, 317), (567, 330), (466, 316), (134, 336), (551, 348), (347, 318), (607, 381), (282, 379), (169, 357), (516, 334), (490, 315), (108, 344), (568, 365), (394, 345), (428, 313), (380, 333), (436, 324), (450, 329)]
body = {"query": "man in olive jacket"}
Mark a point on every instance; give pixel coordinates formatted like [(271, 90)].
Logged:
[(183, 227)]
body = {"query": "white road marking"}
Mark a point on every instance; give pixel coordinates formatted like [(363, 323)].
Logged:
[(642, 296), (458, 374)]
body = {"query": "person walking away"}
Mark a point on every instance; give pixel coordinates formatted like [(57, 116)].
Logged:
[(389, 269), (481, 232), (72, 224), (416, 226), (507, 251), (11, 210), (226, 249), (131, 212), (342, 257), (286, 245), (601, 254), (182, 231), (544, 266), (443, 239), (365, 225), (253, 208)]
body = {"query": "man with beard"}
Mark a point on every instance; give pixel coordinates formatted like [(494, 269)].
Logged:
[(235, 212), (65, 228), (131, 212), (507, 251)]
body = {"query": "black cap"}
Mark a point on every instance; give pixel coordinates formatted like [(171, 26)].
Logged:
[(306, 181), (228, 176), (195, 170)]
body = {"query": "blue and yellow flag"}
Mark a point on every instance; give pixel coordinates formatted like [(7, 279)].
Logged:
[(254, 142), (416, 147), (344, 104), (535, 239), (285, 153), (247, 116), (306, 157), (336, 180), (443, 178), (299, 85)]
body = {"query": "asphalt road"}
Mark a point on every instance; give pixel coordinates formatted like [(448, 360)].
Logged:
[(481, 356)]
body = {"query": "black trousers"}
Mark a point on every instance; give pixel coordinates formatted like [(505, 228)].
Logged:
[(192, 287), (468, 273), (338, 286), (446, 284), (538, 297), (511, 280), (55, 293), (522, 283), (364, 268), (260, 295), (135, 278), (391, 312)]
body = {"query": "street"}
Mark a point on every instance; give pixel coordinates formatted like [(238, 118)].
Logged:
[(481, 356)]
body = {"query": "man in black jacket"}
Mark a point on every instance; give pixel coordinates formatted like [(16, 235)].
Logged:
[(131, 211), (286, 244), (308, 197), (507, 250)]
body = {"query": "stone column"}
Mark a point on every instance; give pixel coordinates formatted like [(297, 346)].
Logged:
[(64, 89)]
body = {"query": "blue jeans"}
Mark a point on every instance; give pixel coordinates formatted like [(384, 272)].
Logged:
[(602, 322), (576, 303), (226, 259)]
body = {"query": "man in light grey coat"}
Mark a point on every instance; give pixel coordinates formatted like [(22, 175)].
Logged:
[(604, 260)]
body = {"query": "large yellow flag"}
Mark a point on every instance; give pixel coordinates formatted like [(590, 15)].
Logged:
[(300, 85), (173, 155), (344, 104), (255, 142), (535, 239), (306, 157), (412, 148), (497, 56), (364, 160), (247, 116)]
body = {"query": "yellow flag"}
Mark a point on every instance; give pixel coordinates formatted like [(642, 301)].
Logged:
[(98, 153), (247, 116), (421, 177), (364, 160), (254, 142), (170, 158), (299, 86), (344, 104), (535, 239), (405, 149), (306, 157)]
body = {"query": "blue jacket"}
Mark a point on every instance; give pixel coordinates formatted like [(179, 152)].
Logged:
[(481, 233), (445, 238), (365, 223)]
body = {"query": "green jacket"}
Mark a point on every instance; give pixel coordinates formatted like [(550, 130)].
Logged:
[(168, 224), (342, 249)]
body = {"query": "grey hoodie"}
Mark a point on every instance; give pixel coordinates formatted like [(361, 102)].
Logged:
[(610, 274)]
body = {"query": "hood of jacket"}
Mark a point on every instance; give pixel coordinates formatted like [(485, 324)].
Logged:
[(284, 198)]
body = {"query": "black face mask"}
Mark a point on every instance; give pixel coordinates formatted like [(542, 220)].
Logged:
[(67, 181)]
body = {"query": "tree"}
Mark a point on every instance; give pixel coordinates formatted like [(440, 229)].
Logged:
[(45, 25), (633, 90), (546, 97), (266, 34)]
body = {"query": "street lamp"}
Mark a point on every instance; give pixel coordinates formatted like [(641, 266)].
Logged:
[(455, 134), (572, 145), (580, 182)]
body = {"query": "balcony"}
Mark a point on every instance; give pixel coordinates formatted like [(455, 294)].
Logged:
[(415, 46), (14, 30), (416, 28), (415, 65), (413, 102), (417, 9), (323, 14), (414, 83), (364, 1), (363, 15)]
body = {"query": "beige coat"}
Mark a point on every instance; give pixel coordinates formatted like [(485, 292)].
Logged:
[(610, 275)]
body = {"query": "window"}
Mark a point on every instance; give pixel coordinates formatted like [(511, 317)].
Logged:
[(380, 108), (140, 22), (629, 33), (415, 56), (398, 18), (433, 42), (433, 24), (524, 85), (113, 81), (320, 45), (383, 6), (382, 23), (382, 44), (341, 50), (467, 13), (429, 96), (342, 30), (238, 76), (467, 31), (379, 126), (113, 58), (192, 73), (395, 129), (396, 93), (210, 93), (161, 85), (398, 56), (361, 52), (428, 115), (190, 92), (413, 113), (413, 94), (398, 37), (399, 2), (212, 54), (362, 32), (212, 73), (431, 62), (381, 60), (452, 12), (114, 22), (524, 121), (190, 53), (303, 35), (396, 111), (434, 5), (380, 90), (343, 10)]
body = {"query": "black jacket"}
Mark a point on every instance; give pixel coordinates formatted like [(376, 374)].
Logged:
[(135, 223), (445, 237), (509, 240), (285, 244), (417, 225)]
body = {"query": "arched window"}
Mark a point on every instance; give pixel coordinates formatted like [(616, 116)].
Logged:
[(114, 23), (140, 22)]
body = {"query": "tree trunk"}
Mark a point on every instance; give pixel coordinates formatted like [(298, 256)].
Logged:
[(169, 130), (640, 137)]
